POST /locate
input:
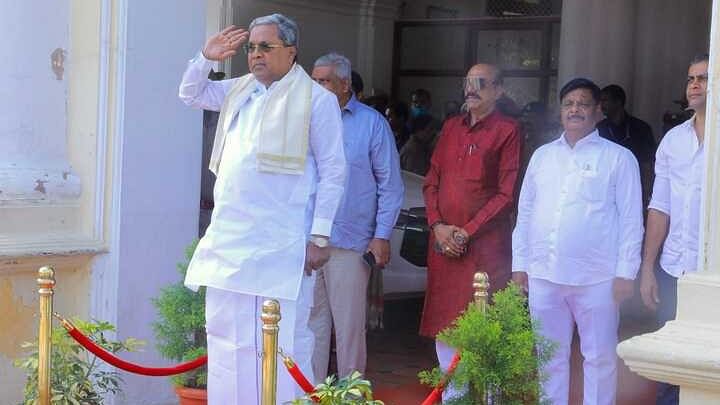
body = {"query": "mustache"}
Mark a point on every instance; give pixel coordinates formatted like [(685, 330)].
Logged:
[(471, 94), (576, 116)]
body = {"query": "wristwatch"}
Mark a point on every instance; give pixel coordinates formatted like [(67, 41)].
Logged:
[(319, 241)]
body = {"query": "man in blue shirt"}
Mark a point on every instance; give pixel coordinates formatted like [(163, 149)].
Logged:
[(363, 223)]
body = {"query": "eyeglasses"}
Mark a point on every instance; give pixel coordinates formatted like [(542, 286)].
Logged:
[(263, 47), (701, 79), (581, 106), (477, 83)]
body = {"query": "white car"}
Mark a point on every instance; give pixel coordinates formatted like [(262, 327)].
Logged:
[(406, 274)]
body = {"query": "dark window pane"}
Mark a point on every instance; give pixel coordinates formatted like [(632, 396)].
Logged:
[(522, 90), (510, 49), (442, 89), (433, 48), (555, 46)]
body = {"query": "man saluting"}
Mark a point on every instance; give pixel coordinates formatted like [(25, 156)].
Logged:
[(280, 168)]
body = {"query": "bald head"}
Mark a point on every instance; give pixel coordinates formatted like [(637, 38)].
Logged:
[(483, 86), (487, 70)]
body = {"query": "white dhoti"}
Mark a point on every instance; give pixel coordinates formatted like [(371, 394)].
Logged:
[(234, 338), (558, 308), (445, 355)]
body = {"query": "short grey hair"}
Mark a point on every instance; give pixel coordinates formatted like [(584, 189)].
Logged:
[(341, 65), (287, 28)]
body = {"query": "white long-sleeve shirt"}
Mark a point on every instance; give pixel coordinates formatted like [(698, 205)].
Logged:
[(198, 92), (255, 243), (580, 213), (677, 193)]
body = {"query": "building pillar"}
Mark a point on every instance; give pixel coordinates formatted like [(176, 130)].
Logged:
[(685, 352), (596, 41)]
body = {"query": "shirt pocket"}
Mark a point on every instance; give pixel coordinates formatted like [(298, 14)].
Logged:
[(478, 165), (593, 186)]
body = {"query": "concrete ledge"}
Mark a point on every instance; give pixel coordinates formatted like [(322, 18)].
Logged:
[(682, 353)]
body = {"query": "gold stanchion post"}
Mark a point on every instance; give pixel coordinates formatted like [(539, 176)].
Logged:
[(46, 283), (481, 285), (270, 319)]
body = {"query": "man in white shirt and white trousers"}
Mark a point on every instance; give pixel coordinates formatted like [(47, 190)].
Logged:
[(576, 245), (279, 161), (673, 222)]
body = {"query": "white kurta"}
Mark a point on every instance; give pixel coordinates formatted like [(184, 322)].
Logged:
[(255, 245), (256, 240)]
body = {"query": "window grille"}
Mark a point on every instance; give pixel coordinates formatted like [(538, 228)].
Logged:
[(523, 8)]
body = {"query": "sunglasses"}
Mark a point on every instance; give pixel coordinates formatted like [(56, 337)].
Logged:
[(263, 47), (478, 83)]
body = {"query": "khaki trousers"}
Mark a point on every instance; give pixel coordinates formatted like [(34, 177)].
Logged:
[(341, 299)]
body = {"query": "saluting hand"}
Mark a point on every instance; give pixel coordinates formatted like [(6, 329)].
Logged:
[(225, 43)]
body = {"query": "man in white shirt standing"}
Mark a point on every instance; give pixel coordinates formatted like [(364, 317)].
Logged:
[(279, 160), (673, 222), (576, 245)]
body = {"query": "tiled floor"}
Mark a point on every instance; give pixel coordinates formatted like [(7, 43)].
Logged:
[(397, 353)]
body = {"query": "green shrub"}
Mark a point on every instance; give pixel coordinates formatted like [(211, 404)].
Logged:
[(76, 376), (180, 328), (501, 353), (350, 390)]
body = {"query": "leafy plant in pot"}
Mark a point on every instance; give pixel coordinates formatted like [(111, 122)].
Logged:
[(501, 353), (180, 333)]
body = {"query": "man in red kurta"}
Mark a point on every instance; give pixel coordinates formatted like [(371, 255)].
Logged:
[(469, 191)]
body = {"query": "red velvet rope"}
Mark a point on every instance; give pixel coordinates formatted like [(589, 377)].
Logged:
[(292, 368), (436, 394), (298, 376), (111, 359)]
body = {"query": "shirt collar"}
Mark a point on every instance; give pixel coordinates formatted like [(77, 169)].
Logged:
[(593, 137), (488, 119), (352, 104)]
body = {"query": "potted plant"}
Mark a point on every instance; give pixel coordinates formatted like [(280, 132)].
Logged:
[(180, 333), (501, 353), (350, 390), (77, 376)]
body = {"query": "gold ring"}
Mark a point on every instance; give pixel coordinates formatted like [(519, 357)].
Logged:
[(447, 248)]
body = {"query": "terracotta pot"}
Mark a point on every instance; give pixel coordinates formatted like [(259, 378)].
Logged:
[(191, 396)]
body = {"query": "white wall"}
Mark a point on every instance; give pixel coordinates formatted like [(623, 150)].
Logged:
[(160, 181), (668, 35), (642, 45)]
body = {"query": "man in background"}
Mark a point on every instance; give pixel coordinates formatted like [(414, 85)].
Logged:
[(469, 192), (363, 224), (673, 222), (628, 131)]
